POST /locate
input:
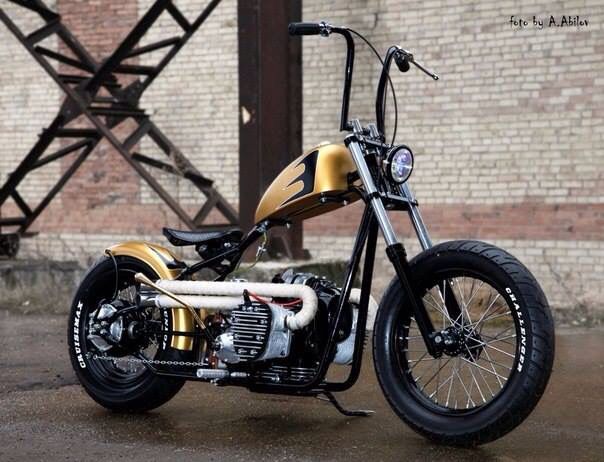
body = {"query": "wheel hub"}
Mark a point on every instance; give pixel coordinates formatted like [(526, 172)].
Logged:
[(108, 330), (460, 341)]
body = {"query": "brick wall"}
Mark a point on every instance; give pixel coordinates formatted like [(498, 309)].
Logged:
[(509, 143)]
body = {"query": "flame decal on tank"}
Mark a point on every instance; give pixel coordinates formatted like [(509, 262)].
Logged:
[(307, 177)]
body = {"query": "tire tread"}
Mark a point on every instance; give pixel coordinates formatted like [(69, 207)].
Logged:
[(538, 364)]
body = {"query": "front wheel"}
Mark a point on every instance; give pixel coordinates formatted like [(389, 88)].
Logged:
[(498, 354)]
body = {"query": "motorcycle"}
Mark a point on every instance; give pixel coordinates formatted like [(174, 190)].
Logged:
[(463, 342)]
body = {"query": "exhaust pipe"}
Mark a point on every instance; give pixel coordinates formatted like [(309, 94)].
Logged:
[(227, 295)]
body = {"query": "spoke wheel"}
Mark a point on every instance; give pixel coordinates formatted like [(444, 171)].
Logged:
[(117, 367), (482, 350), (106, 367), (497, 352)]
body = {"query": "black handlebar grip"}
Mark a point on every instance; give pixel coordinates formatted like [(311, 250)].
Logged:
[(402, 62), (304, 28)]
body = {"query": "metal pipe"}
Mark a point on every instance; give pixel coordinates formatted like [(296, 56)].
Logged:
[(140, 277), (198, 289), (225, 303), (347, 76), (416, 218)]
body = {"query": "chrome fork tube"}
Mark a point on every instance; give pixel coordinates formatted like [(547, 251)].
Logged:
[(376, 201), (394, 249), (416, 218)]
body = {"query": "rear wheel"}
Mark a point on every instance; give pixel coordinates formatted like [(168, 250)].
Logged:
[(498, 352), (115, 373)]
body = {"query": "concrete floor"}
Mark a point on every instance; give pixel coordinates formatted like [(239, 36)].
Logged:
[(44, 414)]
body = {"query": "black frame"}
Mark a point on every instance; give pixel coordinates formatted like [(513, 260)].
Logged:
[(369, 144), (366, 241)]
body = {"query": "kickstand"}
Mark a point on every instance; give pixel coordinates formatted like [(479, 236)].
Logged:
[(356, 413)]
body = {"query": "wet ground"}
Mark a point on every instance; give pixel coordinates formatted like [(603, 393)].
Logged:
[(45, 415)]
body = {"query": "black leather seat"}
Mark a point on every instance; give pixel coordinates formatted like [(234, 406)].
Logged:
[(183, 238)]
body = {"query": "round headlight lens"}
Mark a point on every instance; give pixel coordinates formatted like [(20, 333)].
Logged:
[(399, 164)]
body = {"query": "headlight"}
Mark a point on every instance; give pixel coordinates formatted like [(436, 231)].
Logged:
[(399, 164)]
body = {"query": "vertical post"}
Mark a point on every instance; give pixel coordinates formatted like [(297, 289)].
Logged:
[(270, 105)]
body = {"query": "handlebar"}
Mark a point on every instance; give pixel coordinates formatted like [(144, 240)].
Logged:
[(402, 58), (305, 28), (325, 29)]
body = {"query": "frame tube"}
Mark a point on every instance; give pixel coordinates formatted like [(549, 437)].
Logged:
[(314, 386)]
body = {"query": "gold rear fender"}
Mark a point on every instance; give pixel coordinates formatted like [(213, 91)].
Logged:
[(166, 266)]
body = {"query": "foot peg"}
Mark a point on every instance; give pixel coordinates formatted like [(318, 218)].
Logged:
[(348, 413)]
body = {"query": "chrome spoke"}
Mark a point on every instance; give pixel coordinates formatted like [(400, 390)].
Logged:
[(463, 302), (486, 382), (477, 323), (499, 334), (450, 386), (470, 393), (432, 378), (412, 337), (494, 371), (438, 379), (435, 392), (443, 298), (502, 339), (491, 362), (443, 311), (473, 294), (495, 362), (497, 349), (485, 369), (418, 360), (488, 357), (496, 316), (422, 359), (474, 378), (463, 385)]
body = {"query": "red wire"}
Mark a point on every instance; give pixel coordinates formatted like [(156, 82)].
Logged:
[(266, 302), (297, 301)]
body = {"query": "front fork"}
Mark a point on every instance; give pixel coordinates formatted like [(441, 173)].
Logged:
[(396, 251), (452, 305)]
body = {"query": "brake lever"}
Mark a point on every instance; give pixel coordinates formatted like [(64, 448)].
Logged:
[(409, 58), (425, 71)]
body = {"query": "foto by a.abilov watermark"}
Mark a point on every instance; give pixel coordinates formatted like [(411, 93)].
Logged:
[(544, 22)]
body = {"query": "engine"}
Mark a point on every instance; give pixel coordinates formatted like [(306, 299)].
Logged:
[(253, 338), (255, 332)]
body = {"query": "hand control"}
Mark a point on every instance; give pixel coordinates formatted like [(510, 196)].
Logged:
[(403, 58), (310, 28)]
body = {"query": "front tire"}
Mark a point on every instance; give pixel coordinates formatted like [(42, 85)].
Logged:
[(118, 385), (507, 348)]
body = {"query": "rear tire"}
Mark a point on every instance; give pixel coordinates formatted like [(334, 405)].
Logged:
[(107, 385), (533, 347)]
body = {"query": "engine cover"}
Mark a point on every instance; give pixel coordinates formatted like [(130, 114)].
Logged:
[(256, 332)]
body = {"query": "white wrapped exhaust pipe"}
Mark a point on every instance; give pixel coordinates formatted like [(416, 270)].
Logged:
[(195, 293), (219, 296)]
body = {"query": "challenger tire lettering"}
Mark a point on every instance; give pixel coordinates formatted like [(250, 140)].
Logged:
[(76, 336), (522, 344)]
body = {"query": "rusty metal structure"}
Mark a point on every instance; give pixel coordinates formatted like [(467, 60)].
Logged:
[(93, 91)]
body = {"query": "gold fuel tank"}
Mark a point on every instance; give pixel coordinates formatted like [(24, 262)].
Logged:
[(315, 183)]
